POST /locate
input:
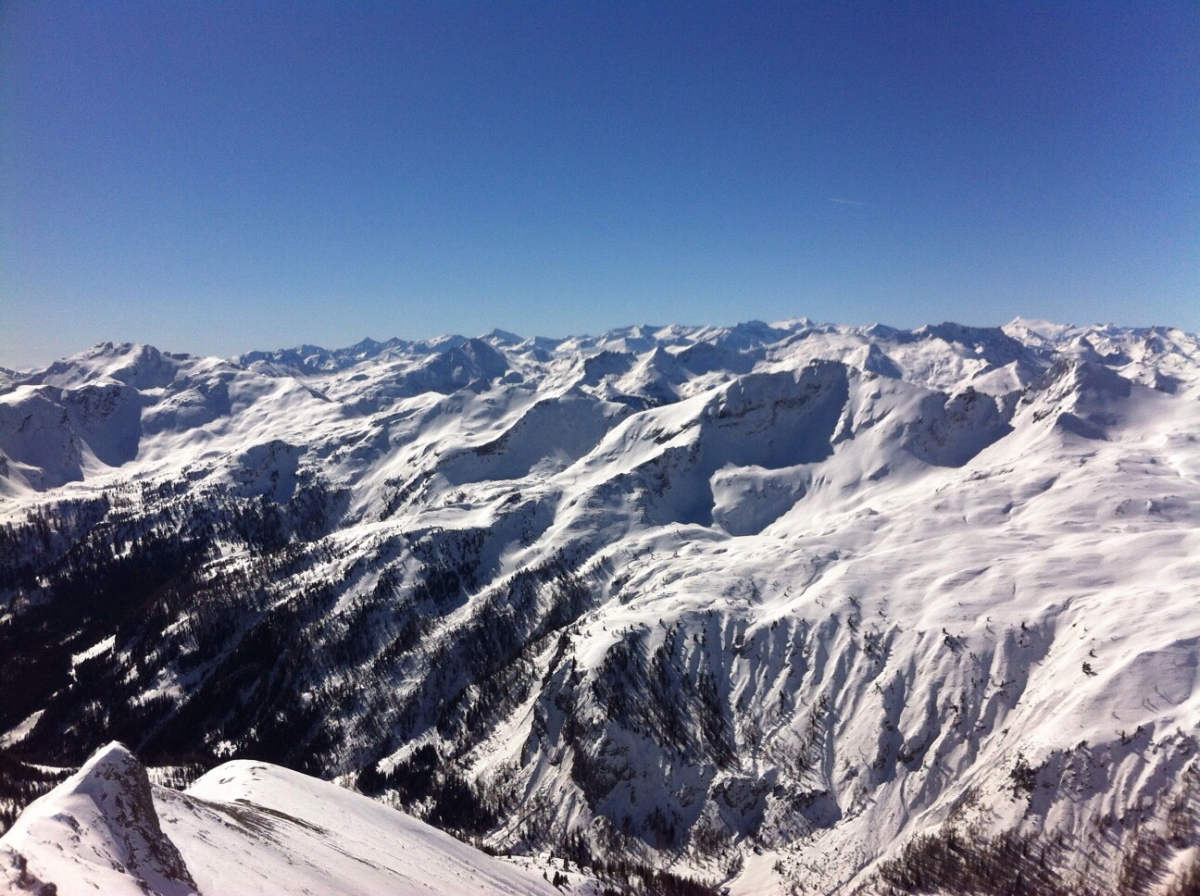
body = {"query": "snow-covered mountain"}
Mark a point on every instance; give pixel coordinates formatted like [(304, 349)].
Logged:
[(788, 606), (245, 828)]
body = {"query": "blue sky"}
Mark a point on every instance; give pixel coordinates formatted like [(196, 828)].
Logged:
[(220, 176)]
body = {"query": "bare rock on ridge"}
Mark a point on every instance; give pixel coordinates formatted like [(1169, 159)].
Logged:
[(98, 830)]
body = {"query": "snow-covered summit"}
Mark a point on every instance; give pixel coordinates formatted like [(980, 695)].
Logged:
[(245, 828), (98, 830)]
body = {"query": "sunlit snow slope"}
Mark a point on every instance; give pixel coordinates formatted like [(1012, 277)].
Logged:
[(245, 828), (786, 605)]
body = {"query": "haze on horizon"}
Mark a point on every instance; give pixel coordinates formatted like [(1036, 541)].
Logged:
[(221, 177)]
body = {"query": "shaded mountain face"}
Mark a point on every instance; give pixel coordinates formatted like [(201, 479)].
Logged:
[(774, 602)]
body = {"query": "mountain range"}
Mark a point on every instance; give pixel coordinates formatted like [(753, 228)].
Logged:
[(780, 607)]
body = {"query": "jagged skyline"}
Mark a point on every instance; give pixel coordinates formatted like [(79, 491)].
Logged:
[(222, 177)]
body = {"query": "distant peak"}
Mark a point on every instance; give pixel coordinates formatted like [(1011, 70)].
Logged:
[(1036, 326), (503, 337), (791, 323)]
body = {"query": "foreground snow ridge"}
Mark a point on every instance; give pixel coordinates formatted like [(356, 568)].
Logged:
[(244, 828), (784, 607)]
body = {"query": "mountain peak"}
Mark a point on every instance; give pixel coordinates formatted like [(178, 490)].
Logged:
[(109, 804)]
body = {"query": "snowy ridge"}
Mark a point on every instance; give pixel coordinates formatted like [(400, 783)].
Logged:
[(774, 604), (245, 828)]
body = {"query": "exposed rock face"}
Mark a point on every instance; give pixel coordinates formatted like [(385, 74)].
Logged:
[(114, 774), (106, 829)]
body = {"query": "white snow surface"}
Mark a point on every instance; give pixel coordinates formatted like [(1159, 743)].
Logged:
[(245, 828), (896, 568)]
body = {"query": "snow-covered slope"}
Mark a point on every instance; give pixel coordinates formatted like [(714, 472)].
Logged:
[(245, 828), (784, 605)]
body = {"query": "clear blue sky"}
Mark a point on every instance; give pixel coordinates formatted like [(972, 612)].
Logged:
[(220, 176)]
